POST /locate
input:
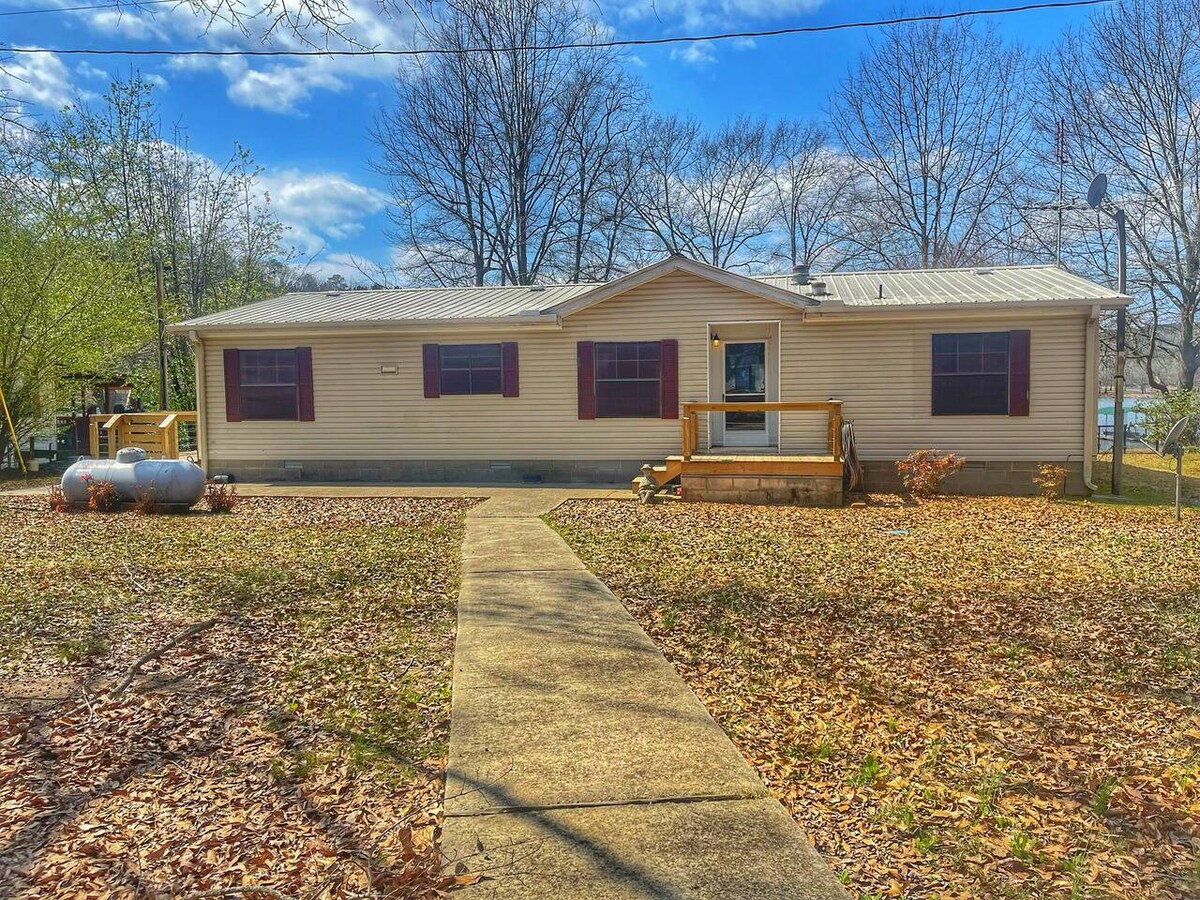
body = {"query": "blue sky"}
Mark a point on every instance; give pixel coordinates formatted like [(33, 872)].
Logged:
[(306, 121)]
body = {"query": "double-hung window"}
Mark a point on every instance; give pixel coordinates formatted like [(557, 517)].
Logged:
[(628, 379), (269, 384)]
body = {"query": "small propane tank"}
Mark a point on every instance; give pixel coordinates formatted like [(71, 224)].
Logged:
[(172, 482)]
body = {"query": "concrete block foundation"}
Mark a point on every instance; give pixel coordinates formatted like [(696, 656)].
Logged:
[(1011, 478), (799, 490)]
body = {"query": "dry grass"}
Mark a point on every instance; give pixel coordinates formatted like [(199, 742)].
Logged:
[(1150, 478), (965, 698), (297, 744)]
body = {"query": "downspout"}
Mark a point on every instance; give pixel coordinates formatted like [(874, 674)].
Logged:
[(201, 405), (1092, 395)]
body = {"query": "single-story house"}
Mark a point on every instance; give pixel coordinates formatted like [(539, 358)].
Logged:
[(588, 382)]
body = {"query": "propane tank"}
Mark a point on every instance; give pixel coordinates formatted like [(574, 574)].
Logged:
[(172, 482)]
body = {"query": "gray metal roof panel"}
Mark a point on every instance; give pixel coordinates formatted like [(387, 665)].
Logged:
[(405, 305), (924, 287), (901, 288)]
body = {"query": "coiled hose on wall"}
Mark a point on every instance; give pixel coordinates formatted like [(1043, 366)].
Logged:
[(855, 480)]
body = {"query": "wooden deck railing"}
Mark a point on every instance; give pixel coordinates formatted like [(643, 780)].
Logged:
[(156, 432), (689, 425)]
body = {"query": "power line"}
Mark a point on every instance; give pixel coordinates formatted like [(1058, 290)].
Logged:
[(583, 45), (115, 7)]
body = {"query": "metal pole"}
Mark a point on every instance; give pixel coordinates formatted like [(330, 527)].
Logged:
[(1178, 482), (1118, 463), (162, 334)]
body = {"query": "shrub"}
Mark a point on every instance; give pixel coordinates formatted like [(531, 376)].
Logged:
[(57, 499), (1051, 481), (147, 501), (923, 471), (102, 496), (1161, 412), (221, 498)]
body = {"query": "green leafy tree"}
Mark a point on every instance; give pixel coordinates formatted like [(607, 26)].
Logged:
[(1163, 411)]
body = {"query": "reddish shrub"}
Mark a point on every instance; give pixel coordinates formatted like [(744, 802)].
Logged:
[(102, 496), (57, 499), (221, 498), (923, 471), (147, 502)]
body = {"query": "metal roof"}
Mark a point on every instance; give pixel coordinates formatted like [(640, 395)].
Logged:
[(901, 288), (926, 287), (407, 305)]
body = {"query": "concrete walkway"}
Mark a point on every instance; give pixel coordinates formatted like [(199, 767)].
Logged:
[(581, 765)]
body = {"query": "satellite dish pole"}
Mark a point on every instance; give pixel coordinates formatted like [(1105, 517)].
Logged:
[(1095, 198), (1173, 445)]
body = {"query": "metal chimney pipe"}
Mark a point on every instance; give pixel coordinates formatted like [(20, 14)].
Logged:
[(800, 273)]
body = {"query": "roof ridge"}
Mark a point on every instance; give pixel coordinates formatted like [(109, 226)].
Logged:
[(453, 287)]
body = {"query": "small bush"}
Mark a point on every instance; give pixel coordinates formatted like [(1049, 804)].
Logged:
[(1051, 481), (923, 471), (57, 499), (221, 498), (102, 496), (147, 502)]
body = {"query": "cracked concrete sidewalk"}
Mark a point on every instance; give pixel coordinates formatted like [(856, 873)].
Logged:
[(581, 765)]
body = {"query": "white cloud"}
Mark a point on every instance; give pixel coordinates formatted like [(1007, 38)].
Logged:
[(40, 79), (319, 207), (697, 53), (708, 13)]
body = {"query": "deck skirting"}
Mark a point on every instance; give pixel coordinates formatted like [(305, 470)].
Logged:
[(798, 490)]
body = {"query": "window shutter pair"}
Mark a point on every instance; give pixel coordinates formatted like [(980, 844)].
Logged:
[(509, 370), (305, 410), (668, 384)]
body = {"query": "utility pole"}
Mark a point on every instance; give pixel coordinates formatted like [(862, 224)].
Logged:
[(162, 333)]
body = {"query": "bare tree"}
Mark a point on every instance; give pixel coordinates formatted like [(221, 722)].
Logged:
[(813, 189), (709, 196), (1128, 87), (504, 164), (934, 116)]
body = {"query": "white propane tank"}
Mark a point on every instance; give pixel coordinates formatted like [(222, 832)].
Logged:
[(172, 482)]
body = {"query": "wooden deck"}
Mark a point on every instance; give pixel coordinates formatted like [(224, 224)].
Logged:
[(736, 462)]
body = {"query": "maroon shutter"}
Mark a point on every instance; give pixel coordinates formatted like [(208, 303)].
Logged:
[(233, 387), (669, 378), (1018, 373), (429, 359), (586, 355), (508, 369), (304, 385)]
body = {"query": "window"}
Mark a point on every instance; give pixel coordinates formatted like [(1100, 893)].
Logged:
[(971, 373), (269, 386), (470, 369), (628, 379)]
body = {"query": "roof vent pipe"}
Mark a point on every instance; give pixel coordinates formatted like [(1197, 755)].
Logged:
[(800, 273), (818, 289)]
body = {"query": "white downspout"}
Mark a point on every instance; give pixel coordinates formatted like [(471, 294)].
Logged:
[(1092, 395), (201, 405)]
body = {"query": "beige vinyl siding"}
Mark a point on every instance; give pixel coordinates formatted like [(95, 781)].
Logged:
[(881, 370)]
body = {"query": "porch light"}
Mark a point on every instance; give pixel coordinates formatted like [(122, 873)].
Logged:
[(716, 339)]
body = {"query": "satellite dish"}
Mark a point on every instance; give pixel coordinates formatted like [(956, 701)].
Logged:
[(1096, 190), (1173, 442)]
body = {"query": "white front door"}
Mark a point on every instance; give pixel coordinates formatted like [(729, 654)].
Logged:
[(745, 382)]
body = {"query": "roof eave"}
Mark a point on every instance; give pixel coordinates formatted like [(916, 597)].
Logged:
[(547, 321), (853, 309)]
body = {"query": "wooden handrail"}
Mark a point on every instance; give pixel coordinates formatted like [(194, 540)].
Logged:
[(134, 429), (690, 430)]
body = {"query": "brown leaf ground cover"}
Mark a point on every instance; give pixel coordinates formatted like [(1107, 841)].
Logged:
[(965, 698), (298, 744)]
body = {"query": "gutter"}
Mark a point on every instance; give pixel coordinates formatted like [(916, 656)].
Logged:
[(201, 404), (841, 314)]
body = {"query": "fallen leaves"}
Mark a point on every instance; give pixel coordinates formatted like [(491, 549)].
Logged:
[(297, 750), (983, 697)]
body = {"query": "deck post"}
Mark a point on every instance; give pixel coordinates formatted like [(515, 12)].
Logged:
[(94, 436)]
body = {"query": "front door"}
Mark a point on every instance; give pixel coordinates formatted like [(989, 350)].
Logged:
[(745, 382)]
